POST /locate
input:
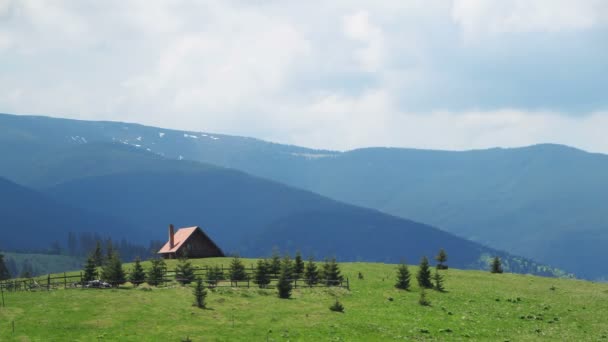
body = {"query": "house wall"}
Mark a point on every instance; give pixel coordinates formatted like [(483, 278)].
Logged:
[(200, 246)]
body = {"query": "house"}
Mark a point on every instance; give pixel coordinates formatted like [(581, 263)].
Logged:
[(191, 242)]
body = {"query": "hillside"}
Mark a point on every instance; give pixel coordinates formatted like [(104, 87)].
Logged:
[(32, 220), (478, 306), (543, 202)]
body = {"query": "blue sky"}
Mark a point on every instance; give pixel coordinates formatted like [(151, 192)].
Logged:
[(443, 74)]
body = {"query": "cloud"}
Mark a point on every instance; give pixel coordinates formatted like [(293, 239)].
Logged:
[(342, 74)]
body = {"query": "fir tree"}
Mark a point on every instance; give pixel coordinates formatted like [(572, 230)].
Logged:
[(138, 276), (331, 273), (98, 254), (4, 273), (496, 266), (157, 271), (275, 262), (284, 286), (109, 250), (441, 259), (337, 306), (184, 272), (90, 269), (424, 274), (438, 281), (112, 271), (287, 266), (237, 270), (403, 277), (214, 275), (262, 273), (298, 266), (311, 273), (423, 300), (200, 293)]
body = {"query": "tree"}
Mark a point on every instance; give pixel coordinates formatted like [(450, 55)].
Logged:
[(298, 266), (496, 266), (337, 306), (275, 262), (423, 300), (424, 274), (156, 274), (184, 272), (97, 254), (112, 271), (200, 293), (4, 273), (438, 281), (90, 269), (403, 277), (109, 250), (262, 273), (441, 259), (27, 270), (331, 273), (287, 265), (214, 275), (237, 270), (311, 273), (138, 276), (284, 286)]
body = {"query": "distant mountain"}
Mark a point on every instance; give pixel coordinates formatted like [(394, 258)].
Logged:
[(32, 220), (543, 202)]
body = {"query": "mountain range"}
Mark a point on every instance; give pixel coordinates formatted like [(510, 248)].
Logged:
[(543, 202)]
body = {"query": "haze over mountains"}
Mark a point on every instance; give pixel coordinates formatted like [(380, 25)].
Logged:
[(545, 202)]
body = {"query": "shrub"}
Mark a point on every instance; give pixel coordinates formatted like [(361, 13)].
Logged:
[(184, 272), (311, 273), (337, 307), (138, 276), (423, 300), (284, 286)]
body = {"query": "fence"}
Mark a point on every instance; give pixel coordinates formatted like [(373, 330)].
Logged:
[(47, 283)]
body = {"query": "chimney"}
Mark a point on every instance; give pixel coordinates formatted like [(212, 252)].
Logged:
[(171, 236)]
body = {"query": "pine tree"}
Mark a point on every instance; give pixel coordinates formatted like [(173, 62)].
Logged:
[(98, 255), (438, 281), (287, 266), (109, 250), (184, 272), (311, 273), (403, 277), (157, 271), (214, 275), (284, 286), (424, 274), (298, 267), (441, 259), (496, 266), (138, 276), (90, 269), (275, 262), (4, 273), (262, 273), (200, 293), (113, 272), (423, 300), (331, 273), (237, 270)]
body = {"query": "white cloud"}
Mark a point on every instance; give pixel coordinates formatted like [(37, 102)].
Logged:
[(340, 74), (480, 17)]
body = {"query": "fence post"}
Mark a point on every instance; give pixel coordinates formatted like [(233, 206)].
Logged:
[(347, 284), (65, 281), (295, 283), (2, 291), (48, 282), (81, 281)]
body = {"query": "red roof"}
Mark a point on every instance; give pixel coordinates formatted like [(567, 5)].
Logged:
[(179, 238)]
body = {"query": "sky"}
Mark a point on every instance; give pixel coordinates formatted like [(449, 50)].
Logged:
[(341, 74)]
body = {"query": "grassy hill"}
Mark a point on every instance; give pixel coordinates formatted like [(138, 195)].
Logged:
[(478, 306)]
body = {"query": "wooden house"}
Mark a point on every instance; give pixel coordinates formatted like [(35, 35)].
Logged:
[(191, 242)]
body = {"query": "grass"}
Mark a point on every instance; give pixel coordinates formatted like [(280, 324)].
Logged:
[(477, 306)]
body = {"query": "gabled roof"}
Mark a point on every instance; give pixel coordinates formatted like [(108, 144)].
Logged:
[(179, 238)]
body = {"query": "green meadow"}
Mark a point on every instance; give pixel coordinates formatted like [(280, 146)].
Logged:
[(478, 306)]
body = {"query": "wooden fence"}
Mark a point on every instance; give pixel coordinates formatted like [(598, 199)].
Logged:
[(65, 281)]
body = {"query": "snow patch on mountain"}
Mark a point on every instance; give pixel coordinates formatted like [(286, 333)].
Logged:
[(161, 134), (190, 136)]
